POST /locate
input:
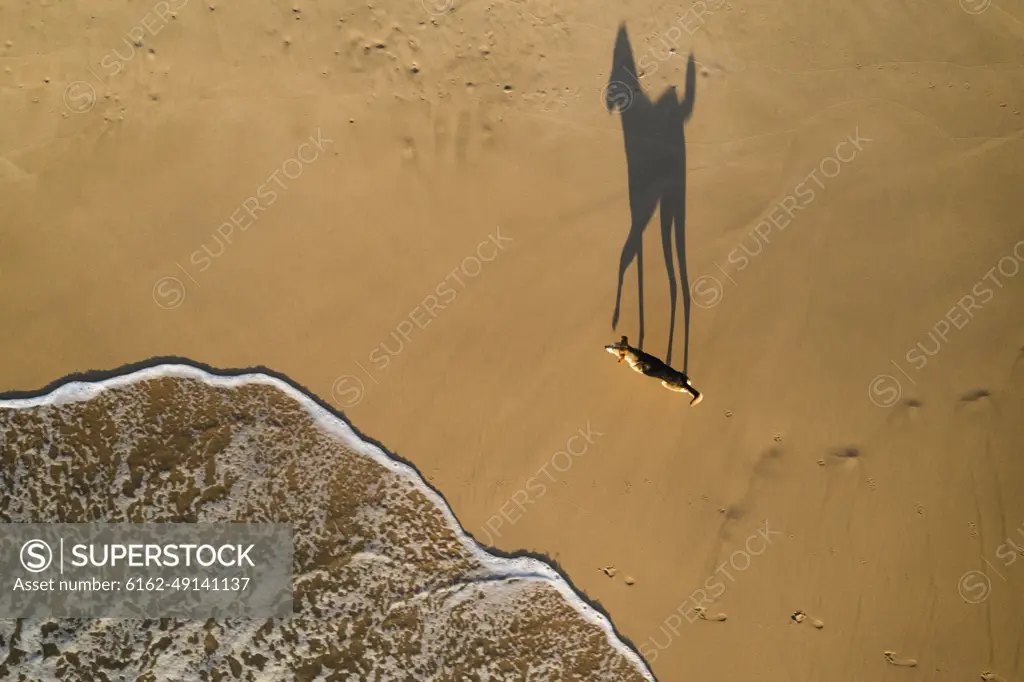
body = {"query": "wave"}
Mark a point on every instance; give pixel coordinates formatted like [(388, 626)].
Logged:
[(387, 584)]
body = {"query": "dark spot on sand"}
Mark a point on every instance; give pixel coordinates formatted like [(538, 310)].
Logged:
[(975, 395)]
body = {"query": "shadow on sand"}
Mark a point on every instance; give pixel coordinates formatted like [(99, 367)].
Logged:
[(656, 168)]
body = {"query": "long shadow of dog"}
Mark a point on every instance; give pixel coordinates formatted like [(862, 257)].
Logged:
[(656, 168)]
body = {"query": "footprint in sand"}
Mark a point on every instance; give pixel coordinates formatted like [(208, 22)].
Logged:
[(976, 401), (907, 411), (846, 457), (800, 617), (702, 613), (896, 659), (989, 676), (611, 572)]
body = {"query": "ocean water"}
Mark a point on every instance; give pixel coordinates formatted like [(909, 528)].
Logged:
[(387, 585)]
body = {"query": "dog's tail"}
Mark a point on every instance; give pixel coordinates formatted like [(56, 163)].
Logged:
[(683, 386)]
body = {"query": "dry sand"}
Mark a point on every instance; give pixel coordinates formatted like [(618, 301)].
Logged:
[(440, 126)]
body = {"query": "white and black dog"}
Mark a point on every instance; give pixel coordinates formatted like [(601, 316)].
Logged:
[(651, 366)]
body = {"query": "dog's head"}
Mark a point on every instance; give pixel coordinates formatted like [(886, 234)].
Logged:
[(616, 349), (621, 349)]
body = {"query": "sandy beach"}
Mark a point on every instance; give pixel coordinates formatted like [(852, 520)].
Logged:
[(417, 212)]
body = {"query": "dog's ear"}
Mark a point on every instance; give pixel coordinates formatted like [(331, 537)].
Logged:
[(624, 341)]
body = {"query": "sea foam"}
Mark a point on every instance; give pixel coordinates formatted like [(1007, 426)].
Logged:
[(383, 565)]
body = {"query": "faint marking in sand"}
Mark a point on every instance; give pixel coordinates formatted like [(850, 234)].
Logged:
[(567, 24), (12, 172), (458, 130), (895, 659), (1016, 362)]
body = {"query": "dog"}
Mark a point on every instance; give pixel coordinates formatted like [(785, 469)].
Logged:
[(648, 365)]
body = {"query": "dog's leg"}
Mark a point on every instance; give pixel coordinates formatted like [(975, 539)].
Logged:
[(675, 387), (695, 397)]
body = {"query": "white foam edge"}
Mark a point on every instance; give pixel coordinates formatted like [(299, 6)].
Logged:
[(524, 568)]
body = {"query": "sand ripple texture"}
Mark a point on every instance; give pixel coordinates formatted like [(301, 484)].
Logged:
[(387, 586)]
